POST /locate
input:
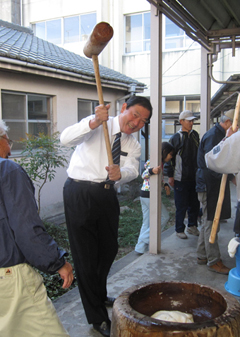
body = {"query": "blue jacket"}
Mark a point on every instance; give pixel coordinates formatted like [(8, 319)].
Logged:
[(208, 180), (23, 238), (211, 138)]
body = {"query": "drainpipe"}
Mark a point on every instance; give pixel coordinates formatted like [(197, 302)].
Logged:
[(21, 13), (211, 59), (132, 90), (184, 103)]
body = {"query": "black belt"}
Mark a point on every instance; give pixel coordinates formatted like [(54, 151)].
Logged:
[(103, 184)]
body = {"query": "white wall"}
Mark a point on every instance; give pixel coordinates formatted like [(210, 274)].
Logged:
[(65, 97), (45, 10), (181, 73), (182, 78)]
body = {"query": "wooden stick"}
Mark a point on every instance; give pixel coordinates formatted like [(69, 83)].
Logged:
[(100, 36), (101, 101), (223, 183), (218, 209)]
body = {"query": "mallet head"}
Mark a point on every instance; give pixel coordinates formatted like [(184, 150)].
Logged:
[(101, 34)]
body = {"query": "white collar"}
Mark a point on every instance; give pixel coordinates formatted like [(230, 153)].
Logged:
[(115, 126)]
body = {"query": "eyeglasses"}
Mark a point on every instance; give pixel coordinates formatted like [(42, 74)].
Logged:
[(10, 142), (136, 115)]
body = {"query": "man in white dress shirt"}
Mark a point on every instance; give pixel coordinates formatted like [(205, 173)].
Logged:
[(90, 200)]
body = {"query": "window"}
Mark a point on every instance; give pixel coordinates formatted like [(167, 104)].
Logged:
[(137, 33), (86, 108), (170, 123), (75, 28), (54, 31), (88, 21), (39, 29), (193, 106), (26, 113), (71, 29), (169, 127), (175, 37)]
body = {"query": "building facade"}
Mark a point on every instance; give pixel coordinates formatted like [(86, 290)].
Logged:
[(68, 24), (45, 88)]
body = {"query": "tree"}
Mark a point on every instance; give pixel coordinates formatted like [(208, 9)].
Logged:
[(41, 156)]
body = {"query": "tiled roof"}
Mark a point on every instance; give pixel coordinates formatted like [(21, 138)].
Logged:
[(19, 43)]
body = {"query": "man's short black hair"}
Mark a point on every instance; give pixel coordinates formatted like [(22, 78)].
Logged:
[(142, 101)]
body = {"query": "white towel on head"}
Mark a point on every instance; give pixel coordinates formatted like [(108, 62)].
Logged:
[(232, 246)]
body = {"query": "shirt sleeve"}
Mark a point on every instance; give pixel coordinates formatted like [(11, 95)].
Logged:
[(37, 246), (77, 133), (147, 172), (170, 166), (129, 164), (224, 158)]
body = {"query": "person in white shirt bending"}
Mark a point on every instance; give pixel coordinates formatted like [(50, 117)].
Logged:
[(90, 200)]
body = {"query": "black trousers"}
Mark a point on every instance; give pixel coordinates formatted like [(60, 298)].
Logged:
[(92, 216), (236, 228), (186, 200)]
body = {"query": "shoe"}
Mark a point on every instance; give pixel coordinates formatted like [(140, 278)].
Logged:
[(193, 230), (139, 253), (201, 261), (104, 328), (219, 268), (181, 235), (109, 301)]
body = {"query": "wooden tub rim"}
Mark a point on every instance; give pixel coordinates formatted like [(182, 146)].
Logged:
[(136, 316)]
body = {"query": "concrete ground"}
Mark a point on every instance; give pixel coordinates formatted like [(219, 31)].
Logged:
[(176, 262)]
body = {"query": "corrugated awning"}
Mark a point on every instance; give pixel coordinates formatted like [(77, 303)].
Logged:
[(208, 22)]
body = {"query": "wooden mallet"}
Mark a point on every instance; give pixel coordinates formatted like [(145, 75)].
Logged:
[(99, 38), (223, 183)]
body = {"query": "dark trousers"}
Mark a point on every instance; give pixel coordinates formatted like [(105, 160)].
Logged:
[(186, 200), (236, 228), (92, 215)]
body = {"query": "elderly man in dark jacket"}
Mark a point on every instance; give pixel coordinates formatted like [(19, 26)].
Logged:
[(25, 309), (208, 186)]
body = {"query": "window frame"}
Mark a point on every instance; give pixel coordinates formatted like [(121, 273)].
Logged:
[(184, 37), (143, 40), (26, 120), (62, 28)]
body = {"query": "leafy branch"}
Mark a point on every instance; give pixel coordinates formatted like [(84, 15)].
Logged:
[(41, 156)]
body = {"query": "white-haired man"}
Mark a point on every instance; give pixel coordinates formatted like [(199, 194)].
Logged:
[(25, 309), (5, 143), (224, 158), (208, 185)]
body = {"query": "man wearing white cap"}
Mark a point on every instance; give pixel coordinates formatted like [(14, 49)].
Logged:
[(208, 186), (181, 171)]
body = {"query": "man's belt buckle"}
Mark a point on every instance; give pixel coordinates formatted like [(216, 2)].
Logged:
[(107, 186)]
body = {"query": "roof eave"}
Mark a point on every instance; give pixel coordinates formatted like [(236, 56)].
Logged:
[(23, 66)]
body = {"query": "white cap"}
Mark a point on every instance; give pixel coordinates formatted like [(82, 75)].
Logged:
[(188, 115), (229, 114)]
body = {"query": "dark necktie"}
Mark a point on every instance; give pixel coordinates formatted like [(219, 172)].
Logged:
[(116, 149)]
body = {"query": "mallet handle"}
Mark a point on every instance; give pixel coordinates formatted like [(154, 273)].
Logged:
[(218, 209), (223, 183), (101, 101)]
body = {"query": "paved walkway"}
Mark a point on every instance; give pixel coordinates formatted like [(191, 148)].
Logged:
[(176, 262)]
